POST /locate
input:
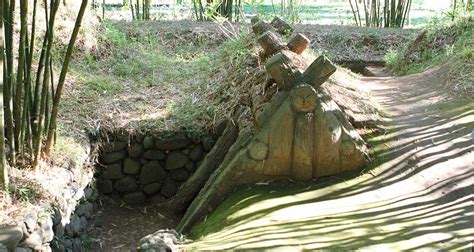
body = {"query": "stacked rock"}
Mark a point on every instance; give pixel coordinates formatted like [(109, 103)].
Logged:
[(52, 231), (149, 168)]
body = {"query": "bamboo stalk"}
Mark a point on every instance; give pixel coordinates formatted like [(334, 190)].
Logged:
[(44, 90), (131, 8), (405, 15), (3, 161), (354, 12), (9, 10), (137, 9), (366, 12), (62, 78), (17, 103), (358, 12)]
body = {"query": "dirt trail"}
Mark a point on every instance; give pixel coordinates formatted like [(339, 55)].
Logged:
[(119, 227), (421, 196)]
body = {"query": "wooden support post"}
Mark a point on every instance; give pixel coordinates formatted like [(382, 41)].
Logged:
[(188, 191), (260, 27), (285, 73), (303, 100), (270, 43), (298, 43), (280, 141), (281, 26), (318, 72), (220, 184), (255, 20)]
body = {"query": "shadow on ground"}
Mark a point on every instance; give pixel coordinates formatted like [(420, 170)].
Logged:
[(417, 195)]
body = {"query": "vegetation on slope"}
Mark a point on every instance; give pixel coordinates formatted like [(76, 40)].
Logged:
[(142, 80), (449, 42)]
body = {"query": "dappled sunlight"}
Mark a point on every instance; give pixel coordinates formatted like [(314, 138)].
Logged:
[(401, 220), (419, 196)]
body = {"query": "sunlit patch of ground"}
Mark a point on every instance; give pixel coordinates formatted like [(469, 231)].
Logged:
[(419, 196)]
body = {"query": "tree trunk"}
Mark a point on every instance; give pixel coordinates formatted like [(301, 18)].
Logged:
[(188, 191)]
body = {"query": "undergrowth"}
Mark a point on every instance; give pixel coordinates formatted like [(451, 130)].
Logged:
[(136, 82), (445, 41)]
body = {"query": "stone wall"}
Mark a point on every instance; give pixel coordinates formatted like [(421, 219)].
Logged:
[(140, 169), (59, 227)]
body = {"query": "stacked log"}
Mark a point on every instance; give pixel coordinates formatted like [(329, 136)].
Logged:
[(302, 133)]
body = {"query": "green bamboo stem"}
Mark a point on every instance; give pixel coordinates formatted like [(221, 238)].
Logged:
[(44, 85), (3, 162), (9, 11), (17, 103), (62, 78)]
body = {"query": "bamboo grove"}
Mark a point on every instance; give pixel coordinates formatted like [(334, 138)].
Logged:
[(31, 92), (380, 13), (140, 9)]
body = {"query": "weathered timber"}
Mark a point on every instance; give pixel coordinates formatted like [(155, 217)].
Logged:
[(270, 43), (326, 149), (258, 150), (271, 107), (278, 133), (188, 191), (318, 72), (221, 183), (282, 69), (303, 99), (415, 44), (339, 147), (260, 27), (302, 162), (281, 26), (299, 133), (255, 20), (298, 43)]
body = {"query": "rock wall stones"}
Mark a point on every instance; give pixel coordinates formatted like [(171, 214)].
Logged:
[(63, 228), (147, 168)]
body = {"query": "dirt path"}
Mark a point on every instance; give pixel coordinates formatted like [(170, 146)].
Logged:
[(119, 227), (420, 196)]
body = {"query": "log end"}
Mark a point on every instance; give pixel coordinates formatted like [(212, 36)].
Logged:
[(298, 43), (303, 98), (281, 26), (270, 43), (319, 71)]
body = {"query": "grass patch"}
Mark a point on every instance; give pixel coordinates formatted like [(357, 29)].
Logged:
[(446, 41), (136, 81)]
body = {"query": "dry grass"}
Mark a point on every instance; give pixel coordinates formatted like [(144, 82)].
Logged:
[(137, 81), (37, 192)]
